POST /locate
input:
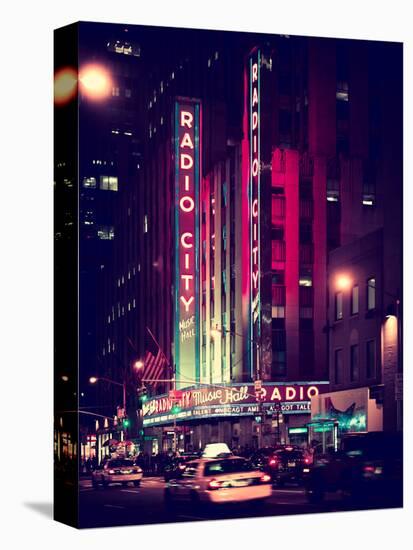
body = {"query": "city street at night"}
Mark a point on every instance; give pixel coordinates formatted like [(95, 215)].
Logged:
[(119, 505)]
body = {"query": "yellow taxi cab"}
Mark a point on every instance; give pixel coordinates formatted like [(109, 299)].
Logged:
[(117, 470), (219, 480)]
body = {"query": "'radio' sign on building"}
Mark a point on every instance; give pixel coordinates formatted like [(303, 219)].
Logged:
[(187, 177)]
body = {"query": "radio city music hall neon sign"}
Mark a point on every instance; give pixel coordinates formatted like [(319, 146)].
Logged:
[(255, 183), (187, 175)]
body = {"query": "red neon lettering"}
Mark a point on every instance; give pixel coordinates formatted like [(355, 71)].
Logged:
[(254, 120), (255, 72), (187, 200), (255, 279), (254, 97), (255, 208), (255, 167), (186, 119)]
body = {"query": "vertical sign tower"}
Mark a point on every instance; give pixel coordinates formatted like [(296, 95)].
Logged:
[(187, 152), (255, 206)]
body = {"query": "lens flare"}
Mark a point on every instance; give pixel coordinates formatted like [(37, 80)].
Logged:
[(65, 85), (95, 81)]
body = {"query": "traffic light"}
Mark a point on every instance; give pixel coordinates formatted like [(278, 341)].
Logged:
[(143, 394), (176, 409), (126, 422)]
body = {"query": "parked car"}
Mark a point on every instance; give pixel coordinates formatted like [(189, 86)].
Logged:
[(219, 480), (366, 466), (117, 470)]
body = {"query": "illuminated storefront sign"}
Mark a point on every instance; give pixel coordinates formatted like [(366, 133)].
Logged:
[(237, 399), (187, 174), (254, 191)]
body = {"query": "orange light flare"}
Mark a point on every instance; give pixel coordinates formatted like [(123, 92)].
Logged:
[(65, 85), (343, 281), (95, 82)]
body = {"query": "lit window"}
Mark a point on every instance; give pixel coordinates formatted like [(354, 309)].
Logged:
[(339, 306), (355, 300), (161, 87), (108, 183), (128, 306), (106, 232), (371, 293), (115, 91), (89, 183), (216, 55), (128, 92), (278, 312), (333, 190), (305, 280), (134, 302), (354, 363), (145, 223), (209, 62), (342, 91)]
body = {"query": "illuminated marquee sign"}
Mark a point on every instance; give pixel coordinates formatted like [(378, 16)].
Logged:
[(254, 191), (237, 399), (187, 175)]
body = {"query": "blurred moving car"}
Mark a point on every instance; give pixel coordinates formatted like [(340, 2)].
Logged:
[(284, 464), (219, 480), (368, 465), (117, 470), (177, 465)]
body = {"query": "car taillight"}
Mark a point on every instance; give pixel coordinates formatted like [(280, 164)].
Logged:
[(265, 478), (214, 484), (307, 460), (273, 462)]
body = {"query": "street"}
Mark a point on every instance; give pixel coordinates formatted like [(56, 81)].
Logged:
[(129, 505)]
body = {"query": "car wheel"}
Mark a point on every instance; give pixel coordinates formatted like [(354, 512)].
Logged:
[(137, 483)]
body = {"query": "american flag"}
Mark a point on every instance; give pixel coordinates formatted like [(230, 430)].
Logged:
[(154, 361)]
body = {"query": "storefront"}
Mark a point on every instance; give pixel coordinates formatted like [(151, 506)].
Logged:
[(230, 414)]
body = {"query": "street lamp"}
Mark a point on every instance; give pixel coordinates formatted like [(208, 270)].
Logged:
[(95, 81), (138, 365)]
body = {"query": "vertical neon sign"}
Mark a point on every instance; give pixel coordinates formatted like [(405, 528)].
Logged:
[(187, 176), (254, 172)]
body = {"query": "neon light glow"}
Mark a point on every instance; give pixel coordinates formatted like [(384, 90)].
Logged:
[(187, 174), (254, 196)]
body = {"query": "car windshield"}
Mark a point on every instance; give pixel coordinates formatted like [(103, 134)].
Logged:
[(119, 462), (226, 466)]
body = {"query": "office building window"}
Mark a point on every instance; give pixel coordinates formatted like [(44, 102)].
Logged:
[(108, 183), (89, 183), (338, 365), (371, 293), (355, 300), (371, 359), (333, 190), (339, 306), (106, 232), (354, 363)]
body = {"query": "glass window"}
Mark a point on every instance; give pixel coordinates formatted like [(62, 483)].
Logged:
[(106, 232), (354, 363), (339, 306), (371, 293), (338, 365), (89, 183), (108, 183), (278, 312), (228, 466), (355, 300), (371, 359)]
